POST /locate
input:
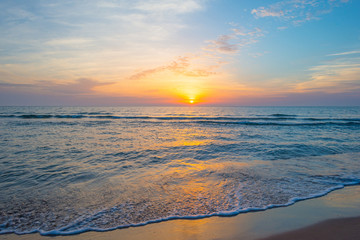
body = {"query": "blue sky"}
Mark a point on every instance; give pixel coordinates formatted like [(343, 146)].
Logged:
[(212, 52)]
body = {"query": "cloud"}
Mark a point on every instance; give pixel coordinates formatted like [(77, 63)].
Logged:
[(296, 99), (81, 86), (69, 42), (174, 6), (344, 53), (17, 15), (258, 54), (180, 66), (297, 11), (336, 76), (262, 12), (83, 92), (16, 85), (15, 97), (233, 42), (337, 1), (223, 45)]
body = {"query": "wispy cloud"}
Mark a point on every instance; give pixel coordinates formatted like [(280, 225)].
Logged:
[(173, 6), (344, 53), (81, 86), (297, 11), (233, 42), (69, 42), (180, 66), (339, 75), (80, 92), (262, 12), (58, 22), (222, 44)]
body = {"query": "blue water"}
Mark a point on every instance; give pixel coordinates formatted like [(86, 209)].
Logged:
[(66, 170)]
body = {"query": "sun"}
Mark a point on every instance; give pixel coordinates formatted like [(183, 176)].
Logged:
[(189, 95)]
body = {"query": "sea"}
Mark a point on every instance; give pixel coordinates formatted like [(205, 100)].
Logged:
[(67, 170)]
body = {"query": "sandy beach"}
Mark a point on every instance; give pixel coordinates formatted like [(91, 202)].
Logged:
[(334, 216), (334, 229)]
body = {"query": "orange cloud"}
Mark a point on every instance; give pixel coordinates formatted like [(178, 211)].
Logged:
[(335, 77), (180, 66)]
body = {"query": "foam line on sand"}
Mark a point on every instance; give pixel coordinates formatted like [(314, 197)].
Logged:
[(304, 217)]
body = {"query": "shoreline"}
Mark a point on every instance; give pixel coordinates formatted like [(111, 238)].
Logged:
[(298, 219)]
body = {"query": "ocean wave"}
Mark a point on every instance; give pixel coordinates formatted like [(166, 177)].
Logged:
[(282, 115), (355, 123), (238, 120), (83, 223)]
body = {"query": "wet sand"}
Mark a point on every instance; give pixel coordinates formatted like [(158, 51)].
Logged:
[(304, 220), (334, 229)]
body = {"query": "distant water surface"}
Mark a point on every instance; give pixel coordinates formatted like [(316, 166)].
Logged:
[(66, 170)]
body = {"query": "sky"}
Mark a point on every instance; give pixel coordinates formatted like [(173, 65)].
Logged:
[(180, 52)]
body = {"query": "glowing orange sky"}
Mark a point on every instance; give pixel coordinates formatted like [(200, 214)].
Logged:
[(175, 52)]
